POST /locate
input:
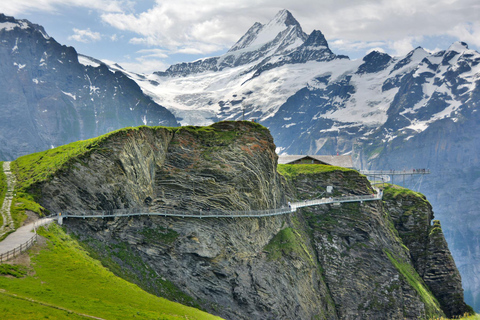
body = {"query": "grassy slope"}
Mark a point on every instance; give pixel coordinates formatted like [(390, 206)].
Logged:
[(292, 170), (67, 277), (3, 188), (394, 191), (42, 166), (432, 307)]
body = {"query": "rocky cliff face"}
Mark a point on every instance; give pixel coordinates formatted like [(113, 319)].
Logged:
[(412, 215), (187, 168), (50, 99), (329, 262)]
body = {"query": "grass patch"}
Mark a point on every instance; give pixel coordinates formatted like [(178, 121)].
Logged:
[(159, 235), (392, 191), (221, 133), (432, 307), (13, 270), (66, 276), (293, 170), (287, 242), (3, 188), (21, 203), (31, 309)]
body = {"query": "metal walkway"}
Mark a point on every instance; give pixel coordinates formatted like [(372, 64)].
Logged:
[(394, 172), (22, 238), (388, 175), (218, 214)]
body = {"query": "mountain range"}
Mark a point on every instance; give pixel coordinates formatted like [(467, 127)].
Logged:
[(412, 111), (50, 98), (390, 113)]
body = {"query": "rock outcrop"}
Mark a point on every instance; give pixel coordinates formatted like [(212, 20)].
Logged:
[(412, 215), (328, 262), (229, 166), (364, 264)]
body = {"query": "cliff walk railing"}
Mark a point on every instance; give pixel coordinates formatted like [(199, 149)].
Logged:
[(395, 172), (17, 250), (215, 213), (24, 245), (316, 202)]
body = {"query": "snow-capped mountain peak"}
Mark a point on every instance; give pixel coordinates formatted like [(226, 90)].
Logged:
[(283, 28), (290, 81), (262, 34), (458, 46), (10, 24)]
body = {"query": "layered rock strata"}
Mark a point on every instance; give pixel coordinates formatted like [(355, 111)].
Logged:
[(412, 215), (329, 262)]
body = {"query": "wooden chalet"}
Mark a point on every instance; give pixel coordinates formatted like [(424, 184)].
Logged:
[(339, 161)]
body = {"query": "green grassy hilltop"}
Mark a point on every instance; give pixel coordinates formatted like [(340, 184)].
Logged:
[(63, 281)]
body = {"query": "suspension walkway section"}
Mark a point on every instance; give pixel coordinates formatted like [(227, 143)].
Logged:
[(217, 214), (23, 238), (388, 175)]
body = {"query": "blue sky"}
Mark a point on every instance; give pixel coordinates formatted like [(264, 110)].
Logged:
[(148, 35)]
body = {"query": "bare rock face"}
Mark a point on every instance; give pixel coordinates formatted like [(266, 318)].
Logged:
[(364, 264), (49, 98), (412, 215), (229, 166), (328, 262), (222, 265)]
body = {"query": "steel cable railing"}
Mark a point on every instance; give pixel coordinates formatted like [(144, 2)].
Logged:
[(171, 212), (27, 244)]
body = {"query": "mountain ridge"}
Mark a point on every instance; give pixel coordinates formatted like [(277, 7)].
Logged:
[(49, 98), (388, 112), (418, 110)]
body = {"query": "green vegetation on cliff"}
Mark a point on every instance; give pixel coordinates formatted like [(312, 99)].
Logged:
[(392, 191), (3, 188), (293, 170), (287, 242), (432, 307), (65, 280), (221, 133)]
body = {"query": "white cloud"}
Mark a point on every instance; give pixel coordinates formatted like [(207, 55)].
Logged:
[(186, 25), (85, 36), (27, 6), (153, 53), (468, 32), (346, 45), (204, 26), (402, 46)]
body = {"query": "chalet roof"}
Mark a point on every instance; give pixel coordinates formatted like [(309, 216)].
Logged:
[(344, 161)]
